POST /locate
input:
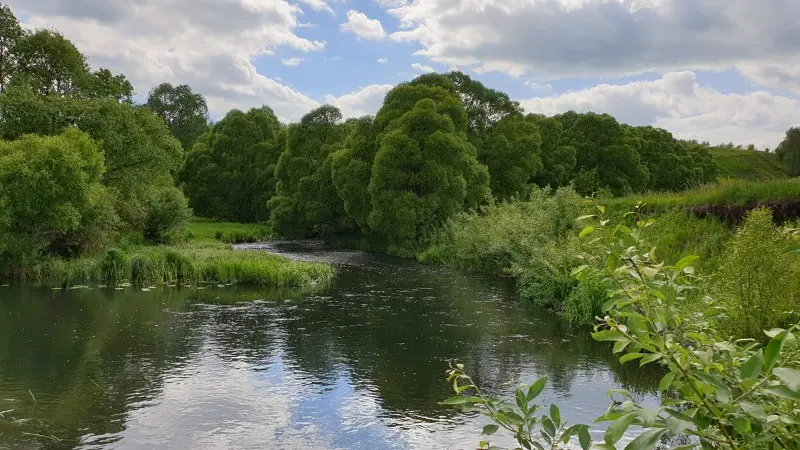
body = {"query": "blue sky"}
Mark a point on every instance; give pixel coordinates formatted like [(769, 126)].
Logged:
[(717, 70)]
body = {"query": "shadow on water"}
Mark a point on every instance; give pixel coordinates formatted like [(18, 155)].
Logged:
[(360, 365)]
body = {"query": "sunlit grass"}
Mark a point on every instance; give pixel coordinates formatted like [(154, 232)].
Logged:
[(208, 230)]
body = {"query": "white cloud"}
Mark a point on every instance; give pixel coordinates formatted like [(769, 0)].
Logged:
[(578, 37), (185, 41), (422, 67), (785, 76), (319, 5), (362, 26), (539, 86), (383, 60), (678, 103), (291, 62), (365, 101)]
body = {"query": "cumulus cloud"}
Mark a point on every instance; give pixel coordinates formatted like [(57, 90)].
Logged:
[(207, 44), (362, 26), (538, 86), (422, 67), (383, 60), (689, 110), (366, 101), (291, 62), (577, 37)]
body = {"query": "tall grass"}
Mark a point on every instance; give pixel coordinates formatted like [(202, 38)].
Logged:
[(233, 233), (182, 265)]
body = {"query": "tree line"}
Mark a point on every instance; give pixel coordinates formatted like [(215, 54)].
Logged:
[(439, 145)]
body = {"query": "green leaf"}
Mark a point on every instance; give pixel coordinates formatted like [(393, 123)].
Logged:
[(685, 262), (555, 415), (588, 216), (549, 426), (536, 388), (666, 381), (652, 357), (585, 438), (773, 350), (620, 346), (677, 426), (753, 410), (647, 440), (784, 392), (460, 400), (586, 231), (609, 335), (752, 368), (617, 428), (789, 376), (630, 357), (490, 429)]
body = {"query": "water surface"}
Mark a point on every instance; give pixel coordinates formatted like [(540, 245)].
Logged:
[(358, 365)]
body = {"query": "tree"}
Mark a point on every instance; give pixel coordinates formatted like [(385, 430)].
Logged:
[(558, 160), (306, 202), (104, 84), (50, 64), (789, 151), (185, 113), (10, 36), (425, 170), (511, 153), (484, 106), (352, 169), (46, 188), (229, 172)]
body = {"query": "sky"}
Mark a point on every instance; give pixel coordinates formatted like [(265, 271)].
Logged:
[(715, 70)]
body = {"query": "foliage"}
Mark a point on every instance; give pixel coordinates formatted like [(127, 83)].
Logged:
[(726, 394), (167, 215), (789, 151), (47, 188), (50, 64), (558, 159), (228, 174), (757, 280), (352, 169), (425, 170), (233, 233), (484, 106), (511, 152), (184, 112), (306, 202), (745, 164), (10, 35)]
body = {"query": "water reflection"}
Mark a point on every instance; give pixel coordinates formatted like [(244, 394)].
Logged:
[(360, 365)]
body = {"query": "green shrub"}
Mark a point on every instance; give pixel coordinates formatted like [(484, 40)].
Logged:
[(167, 215), (585, 301), (758, 281)]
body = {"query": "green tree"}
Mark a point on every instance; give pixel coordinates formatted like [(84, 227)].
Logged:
[(306, 202), (511, 153), (46, 188), (185, 113), (10, 36), (352, 170), (425, 170), (789, 151), (484, 106), (50, 64), (104, 84), (558, 160), (229, 173)]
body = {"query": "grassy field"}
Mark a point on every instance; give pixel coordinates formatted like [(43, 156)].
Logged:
[(747, 165), (728, 192), (230, 232)]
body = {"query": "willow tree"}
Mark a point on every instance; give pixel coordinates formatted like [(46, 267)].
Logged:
[(229, 172), (352, 170), (511, 152), (425, 170), (306, 202)]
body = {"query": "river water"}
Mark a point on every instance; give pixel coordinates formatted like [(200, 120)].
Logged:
[(358, 365)]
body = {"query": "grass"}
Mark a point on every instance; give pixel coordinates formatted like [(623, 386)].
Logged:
[(727, 192), (747, 164), (212, 263), (233, 233)]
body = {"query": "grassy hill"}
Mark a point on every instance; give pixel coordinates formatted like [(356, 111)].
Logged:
[(747, 164)]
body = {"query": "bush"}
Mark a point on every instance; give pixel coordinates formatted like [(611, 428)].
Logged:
[(585, 302), (167, 215), (758, 281)]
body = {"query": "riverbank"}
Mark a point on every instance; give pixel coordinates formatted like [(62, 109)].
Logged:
[(206, 257)]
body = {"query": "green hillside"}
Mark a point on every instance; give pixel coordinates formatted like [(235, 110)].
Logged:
[(747, 164)]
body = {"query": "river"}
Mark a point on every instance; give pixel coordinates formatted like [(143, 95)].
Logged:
[(358, 365)]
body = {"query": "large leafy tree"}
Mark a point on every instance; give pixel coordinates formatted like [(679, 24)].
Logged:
[(47, 187), (558, 159), (511, 152), (50, 64), (185, 112), (789, 151), (352, 170), (229, 173), (104, 84), (484, 106), (425, 170), (10, 36), (306, 202)]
